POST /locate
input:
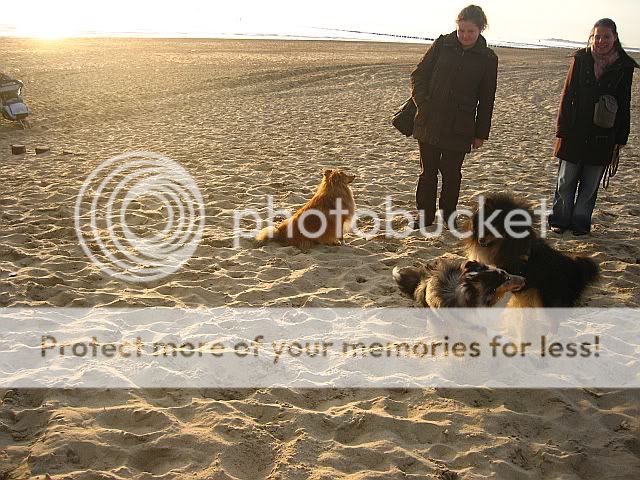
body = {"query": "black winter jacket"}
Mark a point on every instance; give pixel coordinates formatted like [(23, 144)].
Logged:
[(579, 140), (454, 90)]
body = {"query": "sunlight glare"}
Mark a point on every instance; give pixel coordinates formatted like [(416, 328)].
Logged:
[(49, 21)]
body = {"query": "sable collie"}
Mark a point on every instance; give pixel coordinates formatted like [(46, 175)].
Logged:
[(552, 278), (456, 284), (317, 222)]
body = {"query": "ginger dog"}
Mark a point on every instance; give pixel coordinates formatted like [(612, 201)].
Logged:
[(323, 220)]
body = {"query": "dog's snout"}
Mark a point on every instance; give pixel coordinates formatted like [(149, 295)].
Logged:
[(515, 283)]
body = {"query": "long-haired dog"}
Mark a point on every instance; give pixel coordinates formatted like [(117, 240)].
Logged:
[(323, 220), (456, 284), (502, 234)]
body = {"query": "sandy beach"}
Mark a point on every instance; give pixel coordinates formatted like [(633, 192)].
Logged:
[(256, 118)]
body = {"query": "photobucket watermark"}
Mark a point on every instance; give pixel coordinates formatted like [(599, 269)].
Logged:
[(223, 347), (390, 222), (139, 216)]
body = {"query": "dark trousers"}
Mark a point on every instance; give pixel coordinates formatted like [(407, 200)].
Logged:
[(449, 164)]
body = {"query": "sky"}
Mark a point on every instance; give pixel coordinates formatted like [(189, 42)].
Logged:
[(509, 20)]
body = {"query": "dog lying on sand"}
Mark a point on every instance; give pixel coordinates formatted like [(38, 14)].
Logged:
[(553, 279), (318, 222), (456, 284)]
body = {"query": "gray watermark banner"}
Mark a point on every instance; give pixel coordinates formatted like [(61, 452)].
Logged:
[(319, 348)]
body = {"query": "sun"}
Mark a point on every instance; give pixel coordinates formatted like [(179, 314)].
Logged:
[(46, 31), (49, 22), (46, 35)]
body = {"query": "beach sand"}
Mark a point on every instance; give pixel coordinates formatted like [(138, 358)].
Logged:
[(248, 119)]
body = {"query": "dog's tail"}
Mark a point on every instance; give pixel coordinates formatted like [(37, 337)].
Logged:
[(408, 279), (588, 269), (267, 234)]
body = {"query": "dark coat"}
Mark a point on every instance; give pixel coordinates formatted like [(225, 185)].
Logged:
[(454, 90), (579, 140)]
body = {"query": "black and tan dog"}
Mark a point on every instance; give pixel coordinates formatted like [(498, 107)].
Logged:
[(553, 279), (456, 284)]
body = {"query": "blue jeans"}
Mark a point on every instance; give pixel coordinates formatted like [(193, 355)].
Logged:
[(570, 212)]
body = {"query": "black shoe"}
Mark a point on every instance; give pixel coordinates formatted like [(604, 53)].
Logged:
[(580, 233), (416, 225), (558, 230)]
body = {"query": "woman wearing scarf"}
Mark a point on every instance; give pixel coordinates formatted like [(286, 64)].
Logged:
[(583, 148)]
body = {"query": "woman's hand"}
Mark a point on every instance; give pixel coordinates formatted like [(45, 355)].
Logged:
[(477, 143)]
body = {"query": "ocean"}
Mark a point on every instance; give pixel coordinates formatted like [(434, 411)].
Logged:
[(320, 34)]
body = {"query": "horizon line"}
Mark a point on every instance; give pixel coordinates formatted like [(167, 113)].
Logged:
[(409, 39)]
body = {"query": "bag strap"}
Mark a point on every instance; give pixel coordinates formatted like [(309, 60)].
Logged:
[(436, 45), (615, 86), (612, 168)]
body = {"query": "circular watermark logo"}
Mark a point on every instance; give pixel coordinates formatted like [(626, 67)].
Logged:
[(139, 216)]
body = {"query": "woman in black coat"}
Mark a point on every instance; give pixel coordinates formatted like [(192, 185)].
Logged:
[(454, 88), (583, 148)]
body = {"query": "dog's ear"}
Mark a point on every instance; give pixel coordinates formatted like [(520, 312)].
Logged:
[(469, 275), (470, 271), (471, 266)]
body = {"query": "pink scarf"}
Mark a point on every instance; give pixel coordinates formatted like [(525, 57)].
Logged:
[(600, 62)]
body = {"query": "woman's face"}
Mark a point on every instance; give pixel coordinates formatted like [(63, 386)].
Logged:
[(603, 40), (468, 33)]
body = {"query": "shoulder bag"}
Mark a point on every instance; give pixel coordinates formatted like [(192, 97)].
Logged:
[(604, 113), (403, 118)]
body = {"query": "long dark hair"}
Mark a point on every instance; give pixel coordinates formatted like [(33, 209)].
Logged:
[(611, 25)]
